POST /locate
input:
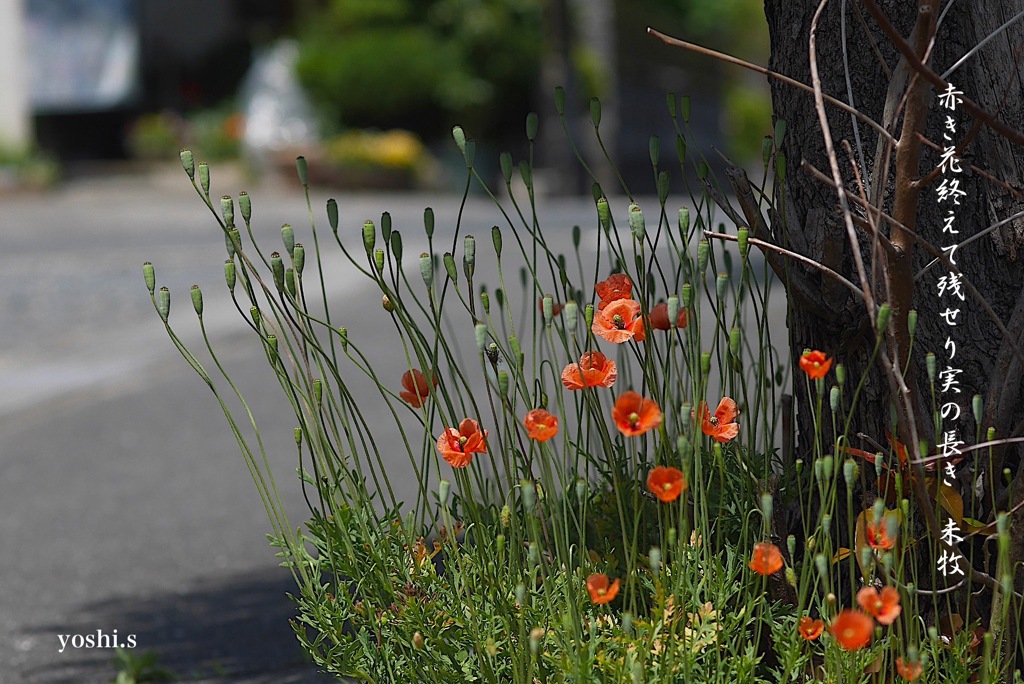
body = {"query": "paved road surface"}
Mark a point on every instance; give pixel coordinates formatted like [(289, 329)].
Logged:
[(124, 503)]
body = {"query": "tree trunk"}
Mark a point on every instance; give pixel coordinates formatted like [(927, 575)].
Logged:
[(832, 319)]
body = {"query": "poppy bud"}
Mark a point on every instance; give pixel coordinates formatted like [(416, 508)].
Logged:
[(496, 239), (687, 295), (865, 556), (672, 308), (500, 541), (277, 267), (386, 302), (780, 165), (528, 494), (684, 222), (469, 257), (734, 342), (163, 303), (595, 111), (833, 399), (766, 149), (231, 238), (298, 436), (929, 362), (505, 159), (977, 406), (705, 363), (256, 318), (289, 281), (826, 525), (188, 163), (743, 240), (526, 173), (204, 178), (655, 557), (506, 516), (485, 300), (671, 537), (299, 258), (654, 147), (536, 634), (460, 138), (636, 221), (288, 238), (531, 126), (703, 251), (302, 169), (684, 446), (560, 100), (417, 641), (702, 170), (933, 633), (532, 553), (990, 434), (385, 226), (766, 505), (197, 300), (503, 382), (721, 283), (548, 307), (827, 464), (443, 488), (840, 374), (571, 313), (513, 343), (318, 391), (227, 210), (245, 206), (604, 214), (799, 464), (884, 312), (830, 598), (369, 236), (229, 274), (378, 260), (481, 336), (427, 269), (912, 321), (149, 275), (449, 266), (588, 315), (272, 348), (822, 566), (791, 576), (850, 472), (332, 215)]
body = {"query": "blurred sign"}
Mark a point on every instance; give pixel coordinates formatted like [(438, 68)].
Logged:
[(83, 54)]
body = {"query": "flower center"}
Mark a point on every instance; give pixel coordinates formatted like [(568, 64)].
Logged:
[(618, 322), (602, 592), (713, 420), (667, 486), (634, 419), (463, 440)]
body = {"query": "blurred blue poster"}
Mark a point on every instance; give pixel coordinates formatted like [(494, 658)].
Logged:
[(83, 54)]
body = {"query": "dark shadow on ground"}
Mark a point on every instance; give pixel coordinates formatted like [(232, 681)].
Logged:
[(234, 630)]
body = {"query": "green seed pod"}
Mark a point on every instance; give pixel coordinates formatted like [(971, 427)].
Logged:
[(443, 488), (595, 111), (687, 295), (705, 363), (884, 312), (163, 303), (865, 556), (385, 226), (685, 101), (231, 238), (582, 490), (576, 235), (298, 436), (318, 391), (780, 165), (427, 269), (428, 222), (636, 221), (655, 557), (503, 382), (654, 147), (683, 445), (743, 239), (470, 153), (505, 159), (570, 313), (840, 374), (272, 348), (288, 238), (418, 642), (520, 588), (684, 222), (850, 472), (528, 494), (822, 566), (791, 576), (531, 126), (548, 308), (299, 257), (485, 300), (369, 236), (681, 148), (277, 267), (460, 138), (204, 178), (245, 206), (799, 465), (526, 173), (833, 399), (387, 304), (767, 506), (703, 252), (588, 315), (469, 257), (481, 336), (929, 362), (332, 215), (302, 169), (229, 274), (827, 463), (513, 343), (343, 338), (670, 99), (537, 633), (977, 406), (791, 545), (826, 525), (496, 239), (257, 319), (197, 300), (449, 266), (227, 210), (500, 542), (188, 163), (912, 321), (671, 537), (149, 275), (378, 260), (560, 100), (734, 341), (721, 285), (766, 149), (604, 214), (289, 282), (990, 434)]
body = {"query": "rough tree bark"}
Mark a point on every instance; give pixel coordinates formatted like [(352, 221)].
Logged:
[(834, 320)]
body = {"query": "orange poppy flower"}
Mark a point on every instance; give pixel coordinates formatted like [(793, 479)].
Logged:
[(659, 317), (600, 590), (907, 670), (766, 559), (811, 629), (593, 370), (457, 446), (619, 321), (721, 426), (815, 364), (878, 536), (617, 286), (852, 629), (540, 425), (666, 483), (417, 387), (635, 415), (884, 606), (556, 308)]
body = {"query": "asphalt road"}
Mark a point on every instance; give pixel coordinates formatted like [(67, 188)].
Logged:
[(124, 503)]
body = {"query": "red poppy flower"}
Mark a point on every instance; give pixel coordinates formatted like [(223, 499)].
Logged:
[(417, 387), (600, 590), (457, 446), (766, 559), (556, 308), (907, 670), (593, 370), (878, 536), (810, 629), (884, 606), (540, 425), (635, 415), (721, 426), (619, 321), (615, 287), (659, 317), (815, 364), (852, 629), (666, 483)]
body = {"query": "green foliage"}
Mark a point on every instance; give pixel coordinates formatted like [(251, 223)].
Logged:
[(135, 668)]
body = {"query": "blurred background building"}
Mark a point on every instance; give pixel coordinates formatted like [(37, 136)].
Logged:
[(374, 83)]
